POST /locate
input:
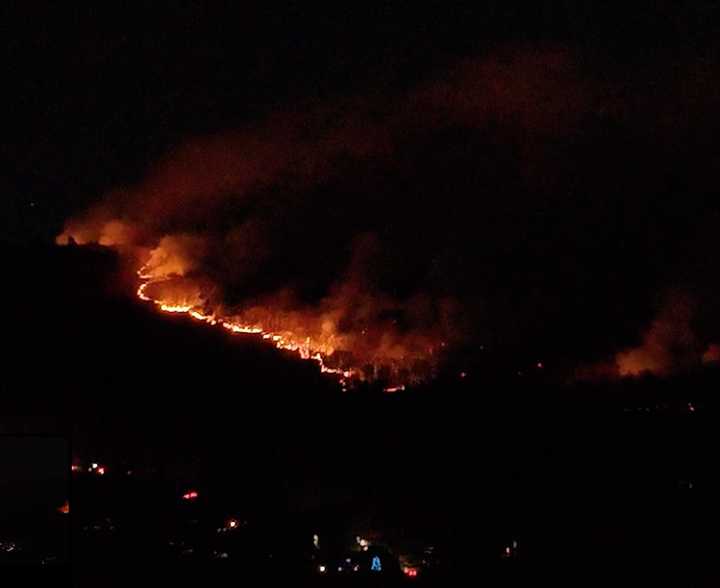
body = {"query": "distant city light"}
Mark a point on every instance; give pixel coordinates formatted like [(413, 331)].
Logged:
[(321, 569), (232, 524), (316, 541)]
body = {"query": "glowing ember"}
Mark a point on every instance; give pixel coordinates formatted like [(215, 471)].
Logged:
[(65, 508)]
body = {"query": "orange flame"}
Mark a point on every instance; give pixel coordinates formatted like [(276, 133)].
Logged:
[(305, 349)]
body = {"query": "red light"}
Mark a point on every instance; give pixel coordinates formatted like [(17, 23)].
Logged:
[(410, 572), (192, 495), (101, 471), (539, 365)]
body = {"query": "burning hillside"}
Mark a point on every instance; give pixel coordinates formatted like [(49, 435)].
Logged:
[(376, 352), (310, 337), (372, 234), (306, 229)]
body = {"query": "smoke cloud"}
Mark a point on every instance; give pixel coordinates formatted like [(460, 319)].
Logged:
[(265, 225), (378, 231), (668, 344), (712, 354)]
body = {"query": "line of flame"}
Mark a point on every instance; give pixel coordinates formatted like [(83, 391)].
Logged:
[(305, 351)]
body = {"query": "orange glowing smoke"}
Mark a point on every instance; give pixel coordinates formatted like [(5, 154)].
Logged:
[(216, 211), (668, 344), (651, 357), (712, 354)]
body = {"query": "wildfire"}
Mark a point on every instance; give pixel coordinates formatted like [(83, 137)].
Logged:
[(305, 349)]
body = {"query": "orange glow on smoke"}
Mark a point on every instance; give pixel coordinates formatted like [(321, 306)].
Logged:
[(712, 354)]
